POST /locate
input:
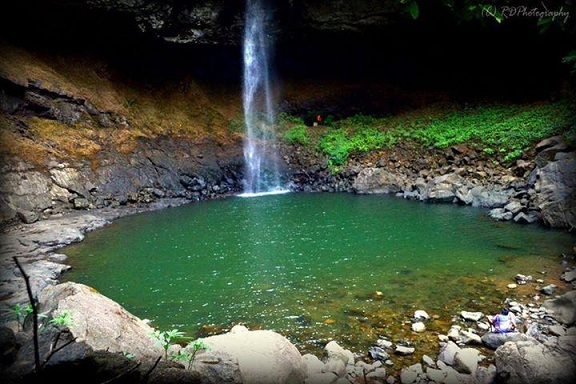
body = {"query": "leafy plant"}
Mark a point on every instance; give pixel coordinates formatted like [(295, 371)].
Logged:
[(297, 135), (504, 131), (511, 129), (287, 119), (64, 319), (167, 338), (359, 133), (20, 312), (187, 355)]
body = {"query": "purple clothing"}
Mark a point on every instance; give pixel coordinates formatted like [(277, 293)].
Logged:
[(503, 323)]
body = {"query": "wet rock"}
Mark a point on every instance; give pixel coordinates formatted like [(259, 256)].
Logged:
[(421, 315), (418, 327), (529, 218), (28, 217), (334, 351), (412, 374), (569, 276), (522, 279), (500, 214), (311, 364), (403, 350), (8, 346), (472, 316)]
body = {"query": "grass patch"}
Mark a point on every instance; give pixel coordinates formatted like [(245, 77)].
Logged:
[(507, 130), (359, 133), (13, 144), (503, 131), (76, 141), (298, 134)]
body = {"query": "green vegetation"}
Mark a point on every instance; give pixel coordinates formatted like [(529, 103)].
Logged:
[(187, 355), (235, 125), (359, 133), (298, 132), (64, 319), (298, 135), (167, 338), (500, 131), (508, 130), (20, 313)]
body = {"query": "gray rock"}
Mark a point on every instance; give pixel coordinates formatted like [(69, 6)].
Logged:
[(563, 307), (100, 322), (261, 356), (311, 364), (556, 193), (377, 180), (466, 360), (493, 340), (529, 361), (378, 353)]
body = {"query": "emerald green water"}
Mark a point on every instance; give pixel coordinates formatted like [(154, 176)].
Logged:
[(313, 267)]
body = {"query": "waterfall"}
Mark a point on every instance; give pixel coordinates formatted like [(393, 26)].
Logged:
[(262, 173)]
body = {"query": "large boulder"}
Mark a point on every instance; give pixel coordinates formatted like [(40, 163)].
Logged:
[(99, 322), (563, 307), (493, 340), (556, 193), (249, 357), (377, 180), (532, 362)]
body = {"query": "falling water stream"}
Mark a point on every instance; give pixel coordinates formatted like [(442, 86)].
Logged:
[(262, 172)]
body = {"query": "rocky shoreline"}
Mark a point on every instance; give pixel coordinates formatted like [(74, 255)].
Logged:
[(544, 350), (59, 205), (549, 334)]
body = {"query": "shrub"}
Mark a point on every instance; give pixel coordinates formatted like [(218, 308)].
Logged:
[(298, 134), (511, 128)]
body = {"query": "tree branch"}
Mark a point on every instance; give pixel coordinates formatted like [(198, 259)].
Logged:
[(34, 314)]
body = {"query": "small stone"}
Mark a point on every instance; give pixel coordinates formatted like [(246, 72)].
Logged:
[(418, 327), (511, 286), (420, 314), (402, 350)]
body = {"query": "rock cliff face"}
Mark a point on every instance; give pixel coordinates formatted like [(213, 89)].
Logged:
[(222, 21), (138, 126)]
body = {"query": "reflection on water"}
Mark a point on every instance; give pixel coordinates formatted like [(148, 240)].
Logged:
[(313, 267)]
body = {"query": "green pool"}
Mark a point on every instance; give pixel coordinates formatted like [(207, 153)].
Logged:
[(313, 267)]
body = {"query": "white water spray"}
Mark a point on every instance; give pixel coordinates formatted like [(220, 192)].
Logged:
[(262, 172)]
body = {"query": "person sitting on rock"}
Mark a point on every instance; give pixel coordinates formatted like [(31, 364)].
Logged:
[(503, 322)]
